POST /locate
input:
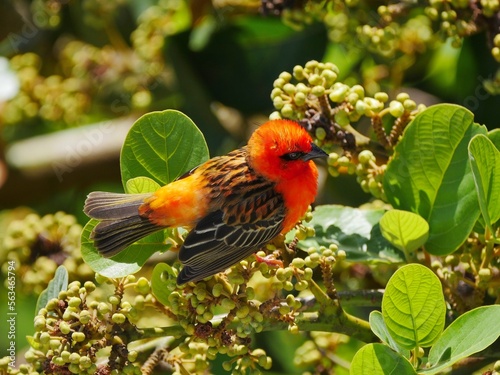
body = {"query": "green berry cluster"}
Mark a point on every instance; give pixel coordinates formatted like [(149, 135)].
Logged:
[(7, 369), (492, 85), (54, 98), (397, 31), (93, 329), (369, 175), (194, 307), (310, 354), (196, 356), (100, 14), (383, 40), (117, 77), (455, 19), (221, 314), (300, 13), (72, 328), (38, 245), (310, 84), (496, 49), (330, 110), (48, 13), (158, 21), (469, 275), (326, 106), (392, 38), (96, 14), (496, 368)]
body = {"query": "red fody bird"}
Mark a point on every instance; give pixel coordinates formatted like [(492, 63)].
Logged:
[(235, 204)]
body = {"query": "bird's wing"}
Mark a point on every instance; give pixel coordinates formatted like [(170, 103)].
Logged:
[(245, 223)]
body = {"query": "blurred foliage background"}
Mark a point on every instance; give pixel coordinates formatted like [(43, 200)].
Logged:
[(75, 74), (69, 64)]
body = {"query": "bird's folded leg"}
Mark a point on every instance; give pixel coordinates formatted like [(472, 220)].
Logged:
[(270, 260)]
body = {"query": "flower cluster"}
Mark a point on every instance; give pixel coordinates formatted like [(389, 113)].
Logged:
[(330, 110), (468, 277), (122, 77), (93, 328), (72, 329), (53, 98), (220, 315), (38, 245), (396, 29)]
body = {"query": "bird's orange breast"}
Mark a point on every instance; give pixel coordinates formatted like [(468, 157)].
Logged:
[(298, 193)]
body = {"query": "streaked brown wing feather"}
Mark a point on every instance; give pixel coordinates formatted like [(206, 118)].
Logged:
[(249, 215), (213, 246)]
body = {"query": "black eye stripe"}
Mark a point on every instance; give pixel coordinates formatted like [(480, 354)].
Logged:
[(289, 156)]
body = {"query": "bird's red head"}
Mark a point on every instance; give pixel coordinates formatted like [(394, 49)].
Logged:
[(281, 150)]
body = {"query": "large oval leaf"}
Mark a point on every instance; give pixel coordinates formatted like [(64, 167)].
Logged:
[(126, 262), (485, 162), (430, 174), (159, 147), (494, 136), (405, 230), (140, 185), (379, 328), (378, 359), (354, 230), (162, 146), (470, 333), (133, 257), (413, 306)]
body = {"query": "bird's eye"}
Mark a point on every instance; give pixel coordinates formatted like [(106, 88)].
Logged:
[(292, 155)]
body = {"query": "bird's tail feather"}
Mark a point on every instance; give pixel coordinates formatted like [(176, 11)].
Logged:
[(121, 225), (104, 206)]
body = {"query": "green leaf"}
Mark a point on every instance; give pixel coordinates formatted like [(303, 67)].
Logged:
[(162, 146), (378, 359), (56, 285), (126, 262), (282, 348), (494, 136), (354, 230), (159, 147), (413, 307), (139, 185), (430, 175), (163, 282), (379, 328), (470, 333), (35, 344), (405, 230), (485, 163)]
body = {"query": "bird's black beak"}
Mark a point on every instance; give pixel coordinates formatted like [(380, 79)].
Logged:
[(315, 152)]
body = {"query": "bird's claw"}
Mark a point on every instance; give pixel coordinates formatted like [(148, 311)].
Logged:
[(270, 260)]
